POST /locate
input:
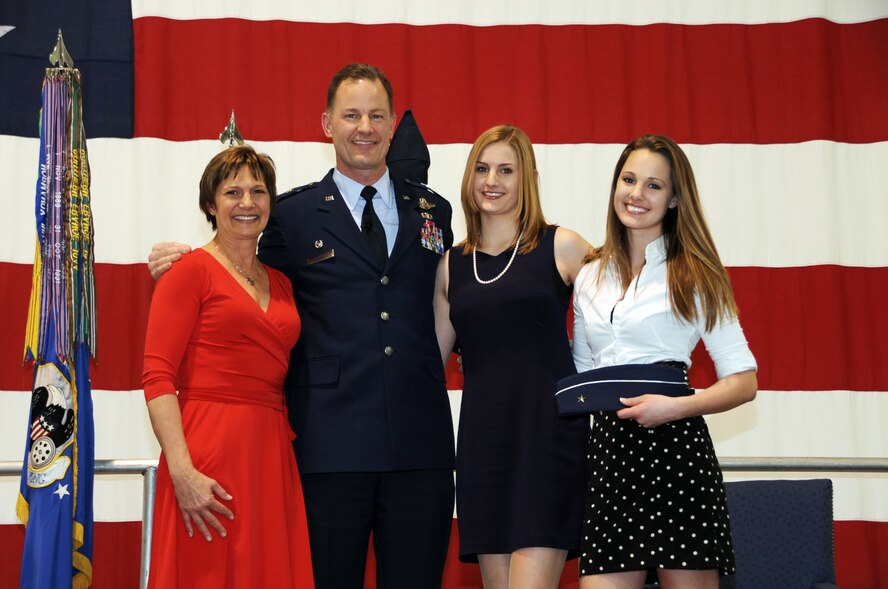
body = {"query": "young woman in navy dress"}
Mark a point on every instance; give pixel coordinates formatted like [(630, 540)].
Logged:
[(504, 294)]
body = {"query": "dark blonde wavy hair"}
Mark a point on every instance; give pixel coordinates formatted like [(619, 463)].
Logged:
[(693, 266), (529, 213)]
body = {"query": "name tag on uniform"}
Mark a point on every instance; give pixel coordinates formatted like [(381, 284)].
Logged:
[(320, 257)]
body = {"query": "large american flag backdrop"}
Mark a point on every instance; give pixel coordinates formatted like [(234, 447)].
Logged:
[(781, 107)]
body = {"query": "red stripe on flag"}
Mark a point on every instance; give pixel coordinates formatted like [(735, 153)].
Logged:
[(123, 296), (797, 321), (861, 547), (803, 332), (116, 554), (719, 83)]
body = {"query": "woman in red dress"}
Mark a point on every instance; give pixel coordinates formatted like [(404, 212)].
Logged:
[(220, 332)]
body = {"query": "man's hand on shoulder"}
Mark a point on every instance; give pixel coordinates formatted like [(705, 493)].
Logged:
[(163, 255)]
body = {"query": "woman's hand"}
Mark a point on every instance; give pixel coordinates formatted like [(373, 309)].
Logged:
[(651, 410), (728, 392), (196, 495)]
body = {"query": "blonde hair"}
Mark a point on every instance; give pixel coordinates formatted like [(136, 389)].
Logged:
[(693, 266), (529, 213)]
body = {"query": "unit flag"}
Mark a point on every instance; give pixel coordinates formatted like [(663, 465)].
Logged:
[(55, 498)]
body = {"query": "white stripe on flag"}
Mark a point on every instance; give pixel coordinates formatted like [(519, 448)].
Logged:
[(806, 204), (499, 12)]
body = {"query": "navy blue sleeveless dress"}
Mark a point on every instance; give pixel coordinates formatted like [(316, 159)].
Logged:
[(520, 468)]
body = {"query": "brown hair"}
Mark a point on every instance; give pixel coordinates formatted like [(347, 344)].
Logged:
[(529, 213), (228, 162), (693, 266), (355, 72)]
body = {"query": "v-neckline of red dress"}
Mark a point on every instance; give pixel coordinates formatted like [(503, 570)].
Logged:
[(243, 288)]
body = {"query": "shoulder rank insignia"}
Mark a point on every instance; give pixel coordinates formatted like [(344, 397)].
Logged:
[(420, 185), (296, 190)]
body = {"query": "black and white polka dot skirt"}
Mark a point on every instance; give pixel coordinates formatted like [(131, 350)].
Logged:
[(656, 499)]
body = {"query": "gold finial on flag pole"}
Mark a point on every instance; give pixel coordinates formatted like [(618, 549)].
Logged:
[(230, 134), (60, 57)]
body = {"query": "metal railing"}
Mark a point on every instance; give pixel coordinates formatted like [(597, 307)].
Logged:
[(148, 469), (803, 464)]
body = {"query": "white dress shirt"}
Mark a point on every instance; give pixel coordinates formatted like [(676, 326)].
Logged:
[(642, 328)]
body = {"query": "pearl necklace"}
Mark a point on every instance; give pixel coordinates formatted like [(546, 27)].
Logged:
[(251, 280), (506, 269)]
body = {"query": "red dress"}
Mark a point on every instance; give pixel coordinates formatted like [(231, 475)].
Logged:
[(209, 340)]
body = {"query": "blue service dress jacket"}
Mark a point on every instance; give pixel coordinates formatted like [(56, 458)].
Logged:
[(365, 389)]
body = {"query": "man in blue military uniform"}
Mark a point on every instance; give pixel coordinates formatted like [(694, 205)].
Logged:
[(366, 390)]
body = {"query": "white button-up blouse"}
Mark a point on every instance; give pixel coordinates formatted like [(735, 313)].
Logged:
[(642, 328)]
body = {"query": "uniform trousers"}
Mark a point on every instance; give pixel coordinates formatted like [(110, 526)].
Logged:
[(410, 516)]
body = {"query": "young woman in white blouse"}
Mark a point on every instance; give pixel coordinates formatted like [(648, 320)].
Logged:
[(656, 501)]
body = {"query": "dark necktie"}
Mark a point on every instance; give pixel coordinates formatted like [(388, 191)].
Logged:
[(372, 229)]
